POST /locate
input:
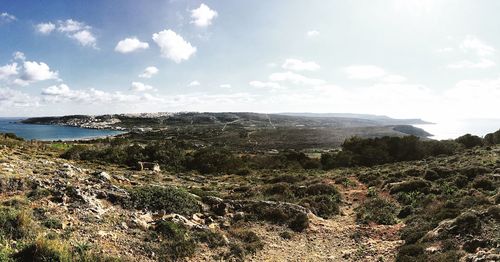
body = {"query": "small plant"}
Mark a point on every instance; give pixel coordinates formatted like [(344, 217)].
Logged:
[(45, 250), (286, 235), (15, 223), (53, 223), (213, 239), (169, 199), (324, 206), (177, 249), (170, 230), (251, 242), (378, 210)]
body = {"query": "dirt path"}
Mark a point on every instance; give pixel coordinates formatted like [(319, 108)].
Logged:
[(336, 239)]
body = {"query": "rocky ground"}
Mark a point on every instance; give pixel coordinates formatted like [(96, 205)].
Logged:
[(85, 204)]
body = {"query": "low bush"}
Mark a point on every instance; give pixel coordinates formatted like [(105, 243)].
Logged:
[(177, 249), (411, 186), (213, 160), (251, 242), (45, 250), (483, 183), (15, 224), (469, 141), (170, 229), (378, 210), (324, 206), (170, 199), (213, 239), (411, 253)]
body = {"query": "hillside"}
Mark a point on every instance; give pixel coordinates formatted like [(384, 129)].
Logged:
[(241, 131), (78, 202)]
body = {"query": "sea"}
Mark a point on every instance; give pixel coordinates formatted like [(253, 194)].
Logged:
[(51, 132), (451, 129)]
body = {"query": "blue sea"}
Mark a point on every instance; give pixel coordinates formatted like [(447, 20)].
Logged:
[(50, 132)]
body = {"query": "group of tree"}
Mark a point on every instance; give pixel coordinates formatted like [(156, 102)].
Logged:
[(218, 159), (375, 151)]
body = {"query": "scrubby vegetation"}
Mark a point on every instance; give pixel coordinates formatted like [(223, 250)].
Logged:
[(211, 198)]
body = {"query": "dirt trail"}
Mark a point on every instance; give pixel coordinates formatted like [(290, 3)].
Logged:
[(335, 239)]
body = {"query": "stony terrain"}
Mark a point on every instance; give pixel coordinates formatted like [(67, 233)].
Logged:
[(87, 210)]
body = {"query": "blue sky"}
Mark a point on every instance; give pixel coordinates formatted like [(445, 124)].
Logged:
[(432, 59)]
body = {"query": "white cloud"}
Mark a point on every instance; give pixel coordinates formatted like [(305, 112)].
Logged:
[(467, 64), (474, 44), (393, 79), (149, 72), (45, 28), (128, 45), (7, 18), (225, 86), (259, 84), (295, 78), (19, 56), (298, 65), (140, 87), (364, 71), (57, 90), (85, 38), (194, 83), (8, 70), (173, 46), (13, 99), (445, 50), (73, 29), (34, 72), (203, 16), (63, 93), (70, 26), (312, 33)]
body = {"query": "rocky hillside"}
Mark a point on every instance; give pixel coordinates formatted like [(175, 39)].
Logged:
[(438, 209)]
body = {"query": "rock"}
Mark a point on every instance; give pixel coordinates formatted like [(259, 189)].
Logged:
[(483, 256), (142, 221), (179, 219), (239, 216), (104, 176)]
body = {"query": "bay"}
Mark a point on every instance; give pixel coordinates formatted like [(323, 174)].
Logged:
[(51, 132)]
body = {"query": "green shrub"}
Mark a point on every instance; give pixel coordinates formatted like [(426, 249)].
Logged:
[(53, 223), (378, 210), (250, 240), (45, 250), (324, 206), (411, 186), (299, 223), (212, 160), (410, 253), (177, 249), (278, 189), (213, 239), (170, 229), (15, 223), (170, 199), (467, 222), (484, 183), (38, 193), (470, 141), (322, 189)]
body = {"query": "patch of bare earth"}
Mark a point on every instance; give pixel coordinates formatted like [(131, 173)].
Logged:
[(337, 239)]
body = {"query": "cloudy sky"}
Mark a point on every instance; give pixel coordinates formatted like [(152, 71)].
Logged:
[(431, 59)]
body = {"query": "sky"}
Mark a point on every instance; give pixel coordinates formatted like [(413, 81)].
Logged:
[(430, 59)]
